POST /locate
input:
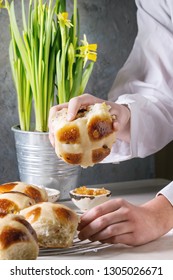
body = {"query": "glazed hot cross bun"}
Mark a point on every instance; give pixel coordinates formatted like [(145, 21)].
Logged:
[(86, 140), (33, 191), (18, 240), (55, 224), (13, 202)]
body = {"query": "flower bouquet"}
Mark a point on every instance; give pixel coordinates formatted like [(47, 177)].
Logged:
[(48, 58)]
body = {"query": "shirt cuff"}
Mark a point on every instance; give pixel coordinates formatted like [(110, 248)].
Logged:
[(167, 192)]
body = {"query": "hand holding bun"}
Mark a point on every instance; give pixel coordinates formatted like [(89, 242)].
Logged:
[(55, 224), (18, 240), (87, 139)]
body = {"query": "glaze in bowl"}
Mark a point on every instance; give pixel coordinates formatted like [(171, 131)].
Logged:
[(86, 198)]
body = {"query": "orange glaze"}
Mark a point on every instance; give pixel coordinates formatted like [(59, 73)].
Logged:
[(11, 235), (8, 206), (99, 128), (87, 191), (33, 215), (69, 134), (7, 187)]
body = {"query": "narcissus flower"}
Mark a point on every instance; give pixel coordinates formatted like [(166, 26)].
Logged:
[(1, 4), (87, 51), (47, 52), (63, 19)]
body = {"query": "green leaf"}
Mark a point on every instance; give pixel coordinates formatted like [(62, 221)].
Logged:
[(77, 78), (85, 77), (62, 6)]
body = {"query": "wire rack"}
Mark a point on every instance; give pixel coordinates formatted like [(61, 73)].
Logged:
[(78, 247)]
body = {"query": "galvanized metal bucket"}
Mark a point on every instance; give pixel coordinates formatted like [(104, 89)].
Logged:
[(38, 164)]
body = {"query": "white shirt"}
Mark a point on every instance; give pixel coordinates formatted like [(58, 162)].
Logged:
[(145, 83)]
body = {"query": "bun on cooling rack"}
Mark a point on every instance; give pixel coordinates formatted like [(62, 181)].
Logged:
[(55, 224), (86, 140), (18, 240), (39, 194), (13, 202)]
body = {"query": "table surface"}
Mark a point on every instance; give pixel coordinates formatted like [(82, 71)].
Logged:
[(136, 192)]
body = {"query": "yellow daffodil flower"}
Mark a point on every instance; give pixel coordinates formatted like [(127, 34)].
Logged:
[(4, 4), (88, 51), (1, 4), (63, 19)]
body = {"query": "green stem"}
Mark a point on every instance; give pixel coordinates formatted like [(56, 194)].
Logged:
[(48, 71), (74, 22), (62, 96)]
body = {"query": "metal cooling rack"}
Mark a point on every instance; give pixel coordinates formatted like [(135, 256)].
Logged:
[(78, 247)]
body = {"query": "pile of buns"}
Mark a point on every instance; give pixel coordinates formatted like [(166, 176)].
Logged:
[(87, 139), (29, 221)]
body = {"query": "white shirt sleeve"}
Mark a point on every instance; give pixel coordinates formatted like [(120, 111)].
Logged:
[(168, 192), (145, 84)]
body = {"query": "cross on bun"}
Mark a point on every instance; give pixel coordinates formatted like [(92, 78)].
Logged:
[(86, 140), (13, 202), (55, 224), (18, 240), (38, 194)]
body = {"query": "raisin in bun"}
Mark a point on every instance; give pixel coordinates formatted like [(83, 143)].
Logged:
[(13, 202), (18, 240), (55, 224), (39, 194), (86, 140)]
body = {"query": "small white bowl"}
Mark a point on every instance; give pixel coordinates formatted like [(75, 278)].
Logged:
[(53, 195), (86, 201)]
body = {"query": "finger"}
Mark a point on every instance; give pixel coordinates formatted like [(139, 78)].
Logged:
[(52, 114), (126, 239), (116, 125), (112, 231), (53, 110), (100, 210), (81, 101), (51, 135), (103, 223), (114, 113), (52, 139), (97, 225)]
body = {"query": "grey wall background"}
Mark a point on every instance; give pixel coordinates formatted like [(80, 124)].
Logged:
[(112, 25)]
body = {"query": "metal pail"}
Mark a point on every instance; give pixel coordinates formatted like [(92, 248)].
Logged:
[(38, 163)]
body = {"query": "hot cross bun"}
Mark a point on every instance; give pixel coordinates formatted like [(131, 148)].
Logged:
[(86, 140), (18, 240)]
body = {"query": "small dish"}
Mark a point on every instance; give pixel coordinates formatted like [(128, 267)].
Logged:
[(53, 194), (86, 198)]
